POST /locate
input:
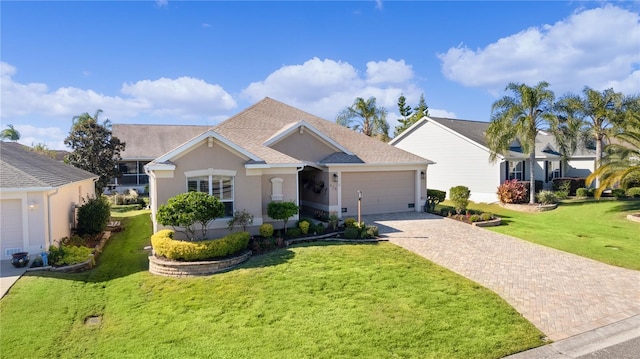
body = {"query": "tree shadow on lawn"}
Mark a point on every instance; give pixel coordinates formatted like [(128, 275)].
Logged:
[(626, 205)]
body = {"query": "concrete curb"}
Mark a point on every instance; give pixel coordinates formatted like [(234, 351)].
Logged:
[(587, 342)]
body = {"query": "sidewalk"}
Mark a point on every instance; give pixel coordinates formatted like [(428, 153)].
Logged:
[(9, 275)]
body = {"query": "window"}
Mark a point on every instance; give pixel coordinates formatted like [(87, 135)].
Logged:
[(515, 170), (220, 186), (132, 173)]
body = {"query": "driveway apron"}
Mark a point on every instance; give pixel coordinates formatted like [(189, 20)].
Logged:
[(560, 293)]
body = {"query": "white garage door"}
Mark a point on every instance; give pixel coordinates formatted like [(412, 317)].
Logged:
[(382, 192), (10, 227)]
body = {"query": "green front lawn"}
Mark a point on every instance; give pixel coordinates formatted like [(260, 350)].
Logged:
[(316, 300), (594, 229)]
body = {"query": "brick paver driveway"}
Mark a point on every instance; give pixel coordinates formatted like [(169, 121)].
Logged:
[(560, 293)]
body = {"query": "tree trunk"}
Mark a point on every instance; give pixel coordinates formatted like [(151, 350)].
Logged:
[(598, 159), (532, 183)]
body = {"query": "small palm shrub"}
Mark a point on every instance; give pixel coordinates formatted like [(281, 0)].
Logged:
[(512, 192), (459, 195), (547, 197), (266, 230), (633, 192)]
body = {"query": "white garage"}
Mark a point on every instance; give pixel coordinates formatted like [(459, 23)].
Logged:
[(37, 196)]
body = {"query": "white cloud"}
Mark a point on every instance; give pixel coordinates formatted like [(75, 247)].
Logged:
[(596, 48), (324, 87), (156, 100), (389, 71), (162, 3)]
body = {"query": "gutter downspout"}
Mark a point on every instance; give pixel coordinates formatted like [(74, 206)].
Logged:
[(49, 231)]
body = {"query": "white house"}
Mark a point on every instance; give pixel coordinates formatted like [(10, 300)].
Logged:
[(38, 195), (459, 149)]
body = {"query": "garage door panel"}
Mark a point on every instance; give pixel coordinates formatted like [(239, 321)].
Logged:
[(10, 225), (383, 192)]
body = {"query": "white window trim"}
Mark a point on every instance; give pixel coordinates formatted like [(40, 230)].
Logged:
[(210, 173)]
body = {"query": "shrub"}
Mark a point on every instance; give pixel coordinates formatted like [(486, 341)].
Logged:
[(372, 231), (68, 255), (266, 230), (294, 232), (630, 181), (349, 222), (188, 209), (282, 211), (618, 193), (512, 191), (434, 197), (459, 195), (486, 216), (537, 185), (94, 215), (333, 220), (582, 192), (317, 229), (240, 219), (351, 233), (633, 192), (304, 227), (547, 197), (574, 184), (164, 245)]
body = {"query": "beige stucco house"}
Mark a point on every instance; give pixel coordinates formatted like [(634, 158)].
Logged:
[(37, 199), (275, 152)]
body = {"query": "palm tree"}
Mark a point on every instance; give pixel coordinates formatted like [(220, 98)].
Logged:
[(10, 133), (85, 117), (599, 114), (520, 117), (369, 118), (620, 160)]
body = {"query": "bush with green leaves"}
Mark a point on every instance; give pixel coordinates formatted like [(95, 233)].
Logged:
[(165, 246), (349, 222), (93, 215), (372, 231), (266, 230), (631, 180), (241, 219), (282, 211), (474, 218), (294, 232), (513, 192), (65, 255), (633, 192), (434, 197), (304, 227), (188, 209), (618, 193), (459, 195), (486, 216), (351, 233), (547, 197)]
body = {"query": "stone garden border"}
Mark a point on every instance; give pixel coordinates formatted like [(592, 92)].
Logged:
[(528, 207), (176, 269)]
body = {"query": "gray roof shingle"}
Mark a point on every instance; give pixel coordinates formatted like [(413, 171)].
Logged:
[(153, 141), (21, 168)]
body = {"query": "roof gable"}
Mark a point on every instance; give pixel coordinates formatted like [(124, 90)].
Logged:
[(22, 168), (300, 127)]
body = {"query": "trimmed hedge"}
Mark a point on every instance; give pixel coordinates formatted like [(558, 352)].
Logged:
[(165, 246), (434, 197), (634, 192)]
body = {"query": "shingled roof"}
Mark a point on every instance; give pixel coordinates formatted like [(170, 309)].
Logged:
[(252, 127), (153, 141), (22, 168)]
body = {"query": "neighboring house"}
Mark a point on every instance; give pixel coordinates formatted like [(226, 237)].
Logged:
[(141, 149), (459, 149), (275, 152), (38, 196)]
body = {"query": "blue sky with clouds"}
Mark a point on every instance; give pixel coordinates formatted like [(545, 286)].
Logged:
[(171, 62)]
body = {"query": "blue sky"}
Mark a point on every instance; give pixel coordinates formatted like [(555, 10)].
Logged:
[(172, 62)]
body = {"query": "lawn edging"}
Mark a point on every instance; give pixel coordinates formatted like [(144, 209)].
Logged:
[(490, 223), (176, 269), (528, 207)]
